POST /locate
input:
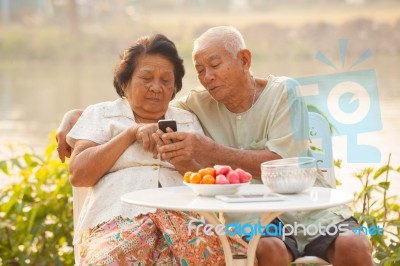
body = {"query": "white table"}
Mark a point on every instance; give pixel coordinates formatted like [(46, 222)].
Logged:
[(182, 198)]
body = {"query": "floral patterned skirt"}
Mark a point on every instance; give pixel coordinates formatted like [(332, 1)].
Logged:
[(159, 238)]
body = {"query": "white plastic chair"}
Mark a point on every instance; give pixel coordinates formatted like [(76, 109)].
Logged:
[(79, 195), (321, 137)]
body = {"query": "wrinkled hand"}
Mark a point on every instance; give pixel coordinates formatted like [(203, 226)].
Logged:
[(160, 141), (69, 120), (182, 160), (144, 134), (178, 147), (63, 149)]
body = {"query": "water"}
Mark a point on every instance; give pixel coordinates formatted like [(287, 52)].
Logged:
[(34, 97)]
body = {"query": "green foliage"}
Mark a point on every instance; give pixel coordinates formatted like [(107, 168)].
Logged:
[(374, 206), (36, 225)]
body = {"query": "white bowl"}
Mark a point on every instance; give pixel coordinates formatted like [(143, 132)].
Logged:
[(211, 190), (289, 175)]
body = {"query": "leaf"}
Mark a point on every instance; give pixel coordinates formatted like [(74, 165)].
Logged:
[(381, 170), (337, 163), (38, 220), (3, 167), (32, 217), (16, 162), (28, 159), (385, 185), (51, 147), (9, 205)]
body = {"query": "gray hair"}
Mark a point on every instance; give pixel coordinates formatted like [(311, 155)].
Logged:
[(232, 39)]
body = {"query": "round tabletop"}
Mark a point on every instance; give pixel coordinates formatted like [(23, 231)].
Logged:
[(182, 198)]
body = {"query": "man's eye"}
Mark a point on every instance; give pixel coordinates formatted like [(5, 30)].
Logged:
[(214, 66), (146, 78)]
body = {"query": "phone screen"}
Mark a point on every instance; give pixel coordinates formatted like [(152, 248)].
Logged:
[(163, 124)]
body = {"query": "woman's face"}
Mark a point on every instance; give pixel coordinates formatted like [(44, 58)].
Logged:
[(151, 87)]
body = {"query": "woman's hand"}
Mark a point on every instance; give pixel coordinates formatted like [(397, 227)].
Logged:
[(143, 133)]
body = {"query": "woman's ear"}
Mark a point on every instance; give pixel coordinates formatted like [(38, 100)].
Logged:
[(245, 58), (125, 86)]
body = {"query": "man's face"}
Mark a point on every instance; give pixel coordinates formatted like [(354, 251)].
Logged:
[(217, 70)]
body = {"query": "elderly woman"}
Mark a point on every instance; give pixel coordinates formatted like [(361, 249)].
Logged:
[(114, 153)]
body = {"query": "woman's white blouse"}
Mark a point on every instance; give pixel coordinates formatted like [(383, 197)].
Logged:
[(136, 169)]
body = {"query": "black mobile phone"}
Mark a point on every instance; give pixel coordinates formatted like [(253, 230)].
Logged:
[(163, 124)]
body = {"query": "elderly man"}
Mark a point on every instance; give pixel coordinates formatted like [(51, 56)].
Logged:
[(247, 121)]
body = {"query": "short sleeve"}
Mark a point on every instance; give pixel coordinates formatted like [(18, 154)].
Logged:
[(288, 133), (91, 126), (181, 103), (187, 121)]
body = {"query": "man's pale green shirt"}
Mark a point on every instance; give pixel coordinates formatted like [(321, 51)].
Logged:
[(278, 122)]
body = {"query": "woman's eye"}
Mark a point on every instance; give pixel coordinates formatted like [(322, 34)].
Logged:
[(214, 66), (146, 78)]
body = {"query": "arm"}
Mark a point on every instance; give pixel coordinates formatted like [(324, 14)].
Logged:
[(207, 152), (90, 161), (68, 121)]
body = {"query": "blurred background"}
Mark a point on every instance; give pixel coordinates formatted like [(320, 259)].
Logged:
[(57, 55)]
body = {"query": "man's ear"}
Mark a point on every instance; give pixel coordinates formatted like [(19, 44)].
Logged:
[(244, 56)]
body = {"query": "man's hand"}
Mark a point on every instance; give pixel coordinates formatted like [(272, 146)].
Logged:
[(177, 147), (68, 121), (182, 163)]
